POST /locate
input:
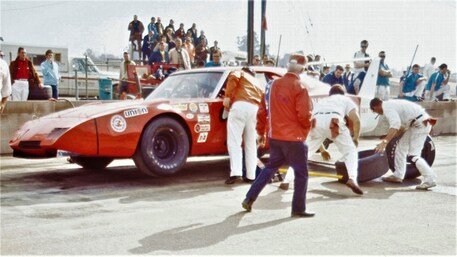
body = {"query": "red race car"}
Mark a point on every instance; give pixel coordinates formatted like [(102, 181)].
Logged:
[(181, 118)]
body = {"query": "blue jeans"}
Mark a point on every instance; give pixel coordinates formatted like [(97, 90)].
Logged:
[(55, 92), (296, 155)]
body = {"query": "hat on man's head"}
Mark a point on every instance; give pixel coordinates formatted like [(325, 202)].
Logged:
[(297, 60)]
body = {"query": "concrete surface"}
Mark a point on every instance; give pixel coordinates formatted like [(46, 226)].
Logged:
[(49, 207), (17, 113)]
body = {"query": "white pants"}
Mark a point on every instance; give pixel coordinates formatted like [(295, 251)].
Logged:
[(20, 90), (241, 123), (418, 91), (383, 92), (445, 90), (411, 143), (343, 142)]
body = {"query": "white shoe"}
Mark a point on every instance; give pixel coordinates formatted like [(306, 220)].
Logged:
[(392, 179), (426, 185)]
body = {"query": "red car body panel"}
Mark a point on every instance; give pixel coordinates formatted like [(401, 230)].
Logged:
[(90, 130)]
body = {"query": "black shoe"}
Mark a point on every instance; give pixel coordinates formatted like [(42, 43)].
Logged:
[(247, 204), (302, 214), (354, 187), (233, 180), (250, 181)]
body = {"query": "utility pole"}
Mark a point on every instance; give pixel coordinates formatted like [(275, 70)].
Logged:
[(250, 31), (263, 28)]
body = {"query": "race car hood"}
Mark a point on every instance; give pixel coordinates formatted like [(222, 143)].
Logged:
[(97, 109)]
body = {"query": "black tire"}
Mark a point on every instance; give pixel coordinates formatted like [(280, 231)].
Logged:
[(428, 153), (91, 163), (163, 148), (371, 165), (37, 93)]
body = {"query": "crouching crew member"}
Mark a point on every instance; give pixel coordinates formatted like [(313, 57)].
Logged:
[(328, 122), (242, 96), (412, 87), (418, 123), (288, 116)]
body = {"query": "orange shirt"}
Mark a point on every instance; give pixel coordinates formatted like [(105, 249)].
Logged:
[(288, 117), (241, 86)]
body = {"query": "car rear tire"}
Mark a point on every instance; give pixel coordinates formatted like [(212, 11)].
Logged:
[(428, 153), (371, 165), (91, 163), (163, 148)]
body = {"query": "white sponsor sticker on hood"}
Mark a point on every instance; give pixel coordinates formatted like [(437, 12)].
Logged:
[(203, 118), (202, 128), (203, 107), (118, 123), (202, 137), (135, 112)]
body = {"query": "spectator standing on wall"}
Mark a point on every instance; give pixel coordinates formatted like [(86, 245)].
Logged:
[(123, 75), (201, 53), (429, 68), (213, 49), (179, 56), (23, 75), (51, 76)]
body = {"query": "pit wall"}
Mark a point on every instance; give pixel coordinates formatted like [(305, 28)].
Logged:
[(17, 113)]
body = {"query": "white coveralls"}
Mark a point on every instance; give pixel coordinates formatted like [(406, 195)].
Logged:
[(241, 123), (335, 106), (5, 80), (400, 112)]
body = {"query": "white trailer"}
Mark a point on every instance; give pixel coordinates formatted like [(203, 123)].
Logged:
[(69, 67)]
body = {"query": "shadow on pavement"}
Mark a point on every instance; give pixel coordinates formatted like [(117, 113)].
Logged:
[(125, 182), (196, 236)]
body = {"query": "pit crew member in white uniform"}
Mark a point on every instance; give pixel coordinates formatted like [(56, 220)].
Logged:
[(403, 113)]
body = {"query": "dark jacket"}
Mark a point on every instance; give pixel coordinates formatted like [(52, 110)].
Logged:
[(148, 45), (34, 79), (157, 57)]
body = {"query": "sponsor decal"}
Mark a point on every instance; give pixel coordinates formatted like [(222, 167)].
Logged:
[(190, 116), (203, 107), (202, 137), (135, 112), (193, 107), (181, 107), (118, 123), (203, 118), (202, 128)]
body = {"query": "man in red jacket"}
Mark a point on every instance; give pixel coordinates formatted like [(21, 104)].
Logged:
[(288, 112)]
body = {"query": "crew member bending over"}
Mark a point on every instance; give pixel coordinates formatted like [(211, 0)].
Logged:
[(418, 123), (328, 122)]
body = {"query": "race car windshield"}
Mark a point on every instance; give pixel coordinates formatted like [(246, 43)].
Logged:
[(187, 86)]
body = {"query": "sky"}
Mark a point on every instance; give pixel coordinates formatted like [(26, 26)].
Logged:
[(336, 31)]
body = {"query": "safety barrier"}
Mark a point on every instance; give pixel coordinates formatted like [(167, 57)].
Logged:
[(17, 113)]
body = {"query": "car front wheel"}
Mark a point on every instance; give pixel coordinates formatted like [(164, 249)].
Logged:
[(163, 148)]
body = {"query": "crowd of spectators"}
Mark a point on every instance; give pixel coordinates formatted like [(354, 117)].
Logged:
[(429, 85), (184, 48)]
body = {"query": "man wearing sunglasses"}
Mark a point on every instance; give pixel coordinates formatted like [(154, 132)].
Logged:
[(360, 66), (383, 84)]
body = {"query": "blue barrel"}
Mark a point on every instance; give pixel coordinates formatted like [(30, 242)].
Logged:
[(105, 89)]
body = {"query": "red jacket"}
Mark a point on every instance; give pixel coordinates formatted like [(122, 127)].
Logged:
[(289, 112)]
